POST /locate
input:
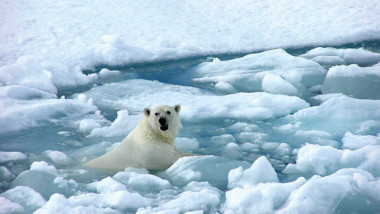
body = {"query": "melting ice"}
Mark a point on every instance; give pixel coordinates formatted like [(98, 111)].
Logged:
[(277, 129), (262, 150)]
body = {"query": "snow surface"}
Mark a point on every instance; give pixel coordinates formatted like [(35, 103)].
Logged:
[(115, 33), (280, 122)]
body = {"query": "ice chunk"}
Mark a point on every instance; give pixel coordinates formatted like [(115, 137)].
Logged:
[(120, 200), (27, 71), (123, 124), (8, 206), (5, 174), (324, 97), (223, 139), (87, 125), (253, 137), (65, 77), (243, 127), (24, 93), (242, 106), (25, 196), (46, 78), (369, 126), (6, 177), (348, 190), (261, 171), (109, 185), (45, 180), (197, 196), (261, 198), (58, 157), (335, 56), (250, 147), (124, 200), (324, 194), (354, 81), (42, 182), (59, 204), (329, 61), (65, 186), (232, 150), (316, 137), (141, 180), (22, 114), (206, 200), (351, 141), (337, 116), (106, 73), (225, 88), (248, 73), (11, 156), (269, 146), (323, 160), (43, 167), (277, 85), (283, 149), (202, 168)]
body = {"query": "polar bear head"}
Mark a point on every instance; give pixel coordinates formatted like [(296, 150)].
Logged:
[(164, 118)]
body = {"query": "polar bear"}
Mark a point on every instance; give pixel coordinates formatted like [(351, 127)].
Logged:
[(150, 145)]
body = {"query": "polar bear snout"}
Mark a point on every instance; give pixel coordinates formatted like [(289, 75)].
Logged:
[(162, 121), (163, 124)]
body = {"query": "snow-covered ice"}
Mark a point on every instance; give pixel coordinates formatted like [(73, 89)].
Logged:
[(273, 146), (117, 33), (355, 81), (11, 156), (261, 198), (351, 141), (310, 160), (334, 56), (25, 196), (280, 102), (261, 171), (135, 95), (274, 71)]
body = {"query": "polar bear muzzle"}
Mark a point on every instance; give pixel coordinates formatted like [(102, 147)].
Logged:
[(164, 125)]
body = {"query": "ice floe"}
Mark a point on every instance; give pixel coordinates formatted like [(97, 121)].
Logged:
[(334, 56), (135, 95), (171, 30), (355, 81), (274, 71)]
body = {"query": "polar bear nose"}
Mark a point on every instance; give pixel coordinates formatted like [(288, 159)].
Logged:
[(162, 121)]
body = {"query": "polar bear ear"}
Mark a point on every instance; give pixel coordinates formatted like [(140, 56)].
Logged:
[(147, 111), (177, 108)]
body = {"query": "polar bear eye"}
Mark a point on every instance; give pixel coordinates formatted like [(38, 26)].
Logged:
[(168, 112), (157, 114)]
